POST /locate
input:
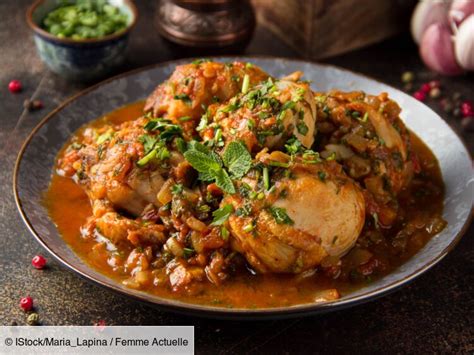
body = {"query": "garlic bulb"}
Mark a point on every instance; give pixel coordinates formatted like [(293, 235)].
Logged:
[(437, 49), (460, 10), (464, 43), (428, 12)]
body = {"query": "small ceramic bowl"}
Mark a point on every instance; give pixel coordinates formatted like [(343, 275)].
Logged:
[(85, 59)]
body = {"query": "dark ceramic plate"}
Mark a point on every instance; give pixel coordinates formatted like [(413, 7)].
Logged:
[(40, 149)]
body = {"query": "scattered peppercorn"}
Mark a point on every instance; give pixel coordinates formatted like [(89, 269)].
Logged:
[(435, 93), (425, 88), (467, 123), (15, 86), (33, 319), (456, 96), (435, 84), (408, 86), (419, 95), (467, 109), (32, 105), (446, 105), (100, 325), (457, 112), (407, 77), (26, 303), (38, 262)]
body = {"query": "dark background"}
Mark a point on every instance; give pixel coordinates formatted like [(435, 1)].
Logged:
[(433, 314)]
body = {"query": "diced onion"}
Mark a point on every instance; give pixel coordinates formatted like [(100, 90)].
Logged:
[(165, 196), (174, 247), (196, 224)]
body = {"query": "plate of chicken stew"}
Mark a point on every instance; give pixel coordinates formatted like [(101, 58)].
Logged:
[(245, 187)]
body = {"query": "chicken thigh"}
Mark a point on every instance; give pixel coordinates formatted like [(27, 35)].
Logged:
[(265, 116), (193, 87), (310, 211), (366, 135)]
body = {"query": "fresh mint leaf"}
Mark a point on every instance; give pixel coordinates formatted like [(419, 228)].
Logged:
[(237, 159), (224, 182), (206, 176), (195, 145), (202, 162), (221, 215)]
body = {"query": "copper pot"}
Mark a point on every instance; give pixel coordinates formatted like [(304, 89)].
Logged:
[(206, 24)]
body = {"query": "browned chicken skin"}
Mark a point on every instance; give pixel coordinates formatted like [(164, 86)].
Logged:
[(366, 135), (193, 87), (324, 209), (266, 116)]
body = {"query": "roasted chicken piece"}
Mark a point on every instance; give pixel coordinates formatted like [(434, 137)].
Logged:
[(184, 97), (366, 135), (120, 230), (301, 213), (124, 164), (265, 116)]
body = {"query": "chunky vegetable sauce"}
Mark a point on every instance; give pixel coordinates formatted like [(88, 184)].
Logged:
[(386, 241)]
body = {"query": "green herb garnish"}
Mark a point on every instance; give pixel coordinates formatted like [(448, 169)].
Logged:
[(280, 215), (177, 189), (245, 84), (185, 98), (302, 128), (104, 137), (221, 215), (188, 252), (237, 159)]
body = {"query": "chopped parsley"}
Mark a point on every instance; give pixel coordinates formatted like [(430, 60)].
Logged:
[(177, 189), (280, 215), (221, 215), (185, 98), (302, 128), (188, 252), (322, 176)]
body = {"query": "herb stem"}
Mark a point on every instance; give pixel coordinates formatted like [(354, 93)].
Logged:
[(245, 84)]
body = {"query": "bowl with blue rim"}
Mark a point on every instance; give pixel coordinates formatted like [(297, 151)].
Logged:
[(82, 40)]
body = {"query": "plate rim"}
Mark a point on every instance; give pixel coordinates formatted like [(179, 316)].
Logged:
[(305, 309)]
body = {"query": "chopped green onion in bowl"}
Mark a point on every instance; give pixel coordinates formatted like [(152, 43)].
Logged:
[(85, 19)]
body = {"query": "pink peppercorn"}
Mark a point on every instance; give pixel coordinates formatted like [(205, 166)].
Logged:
[(14, 86), (426, 87), (38, 262), (434, 84), (419, 95), (26, 303), (467, 109)]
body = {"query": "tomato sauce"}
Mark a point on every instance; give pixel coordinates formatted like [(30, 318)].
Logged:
[(421, 206)]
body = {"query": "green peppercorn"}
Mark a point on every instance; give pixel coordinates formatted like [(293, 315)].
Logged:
[(407, 77), (435, 93), (33, 319)]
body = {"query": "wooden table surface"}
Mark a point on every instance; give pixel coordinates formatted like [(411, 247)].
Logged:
[(435, 313)]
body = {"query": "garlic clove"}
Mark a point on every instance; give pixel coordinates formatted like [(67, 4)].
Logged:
[(460, 10), (437, 50), (464, 44), (426, 13)]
